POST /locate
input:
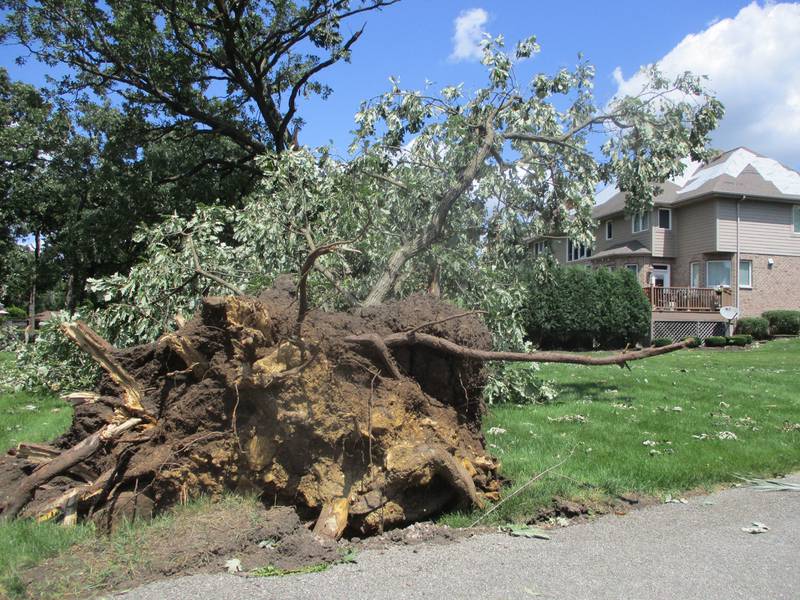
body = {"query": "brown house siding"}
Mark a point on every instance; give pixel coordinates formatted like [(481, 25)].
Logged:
[(695, 229), (623, 232), (764, 227)]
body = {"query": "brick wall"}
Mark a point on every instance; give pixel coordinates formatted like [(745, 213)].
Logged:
[(774, 287)]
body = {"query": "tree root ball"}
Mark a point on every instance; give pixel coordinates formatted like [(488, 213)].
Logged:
[(234, 401)]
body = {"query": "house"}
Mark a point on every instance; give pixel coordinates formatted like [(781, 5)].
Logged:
[(725, 233)]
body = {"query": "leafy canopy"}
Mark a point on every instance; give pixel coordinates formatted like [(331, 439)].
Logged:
[(446, 187), (232, 68)]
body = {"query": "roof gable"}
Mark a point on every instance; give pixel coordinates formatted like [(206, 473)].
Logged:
[(739, 172)]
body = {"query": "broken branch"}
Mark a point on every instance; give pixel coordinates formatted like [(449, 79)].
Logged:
[(63, 462), (103, 354)]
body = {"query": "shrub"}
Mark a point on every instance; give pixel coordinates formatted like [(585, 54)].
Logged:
[(716, 341), (783, 322), (740, 340), (694, 342), (579, 308), (758, 327), (661, 342), (15, 312)]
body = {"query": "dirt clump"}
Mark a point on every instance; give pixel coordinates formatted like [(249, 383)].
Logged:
[(351, 434)]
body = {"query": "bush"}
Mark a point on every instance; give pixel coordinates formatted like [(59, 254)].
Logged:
[(661, 342), (716, 341), (15, 312), (758, 327), (740, 340), (694, 342), (578, 308), (783, 322)]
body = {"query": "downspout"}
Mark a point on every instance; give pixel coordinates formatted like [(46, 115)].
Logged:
[(738, 260)]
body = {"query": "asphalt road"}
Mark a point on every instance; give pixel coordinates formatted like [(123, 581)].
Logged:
[(686, 551)]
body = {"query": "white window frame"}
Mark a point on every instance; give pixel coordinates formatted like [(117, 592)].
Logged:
[(730, 270), (635, 269), (749, 285), (582, 251), (609, 230), (539, 248), (692, 265), (796, 219), (640, 218), (669, 212)]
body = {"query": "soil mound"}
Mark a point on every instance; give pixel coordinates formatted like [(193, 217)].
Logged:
[(331, 422)]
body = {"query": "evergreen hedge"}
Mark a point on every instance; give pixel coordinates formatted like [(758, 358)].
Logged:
[(758, 327), (578, 308), (783, 322)]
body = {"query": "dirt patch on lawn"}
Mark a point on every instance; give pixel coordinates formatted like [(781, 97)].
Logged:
[(193, 540)]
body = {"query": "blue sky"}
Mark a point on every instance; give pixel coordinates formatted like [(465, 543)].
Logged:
[(751, 50)]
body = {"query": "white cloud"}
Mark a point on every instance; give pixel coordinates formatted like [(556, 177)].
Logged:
[(752, 63), (468, 35)]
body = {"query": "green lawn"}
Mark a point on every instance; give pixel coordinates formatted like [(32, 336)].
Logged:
[(30, 418), (26, 417), (681, 404)]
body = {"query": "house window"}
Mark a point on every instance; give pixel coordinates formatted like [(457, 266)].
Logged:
[(665, 218), (796, 217), (577, 251), (633, 268), (609, 230), (745, 273), (641, 221), (540, 248), (694, 274), (718, 272)]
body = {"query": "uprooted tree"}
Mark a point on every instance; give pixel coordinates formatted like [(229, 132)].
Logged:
[(367, 416)]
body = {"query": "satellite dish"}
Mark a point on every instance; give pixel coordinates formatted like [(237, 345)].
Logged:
[(729, 313)]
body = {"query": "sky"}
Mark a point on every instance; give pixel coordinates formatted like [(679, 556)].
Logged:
[(749, 50)]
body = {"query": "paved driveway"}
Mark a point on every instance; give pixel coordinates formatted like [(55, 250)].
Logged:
[(684, 551)]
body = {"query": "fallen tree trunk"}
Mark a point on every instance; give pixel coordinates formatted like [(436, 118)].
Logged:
[(363, 423)]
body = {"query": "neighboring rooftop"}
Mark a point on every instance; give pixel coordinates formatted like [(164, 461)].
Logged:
[(736, 172)]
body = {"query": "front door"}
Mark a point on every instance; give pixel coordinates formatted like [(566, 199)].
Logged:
[(660, 276)]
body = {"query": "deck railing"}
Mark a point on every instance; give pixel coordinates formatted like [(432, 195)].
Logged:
[(688, 299)]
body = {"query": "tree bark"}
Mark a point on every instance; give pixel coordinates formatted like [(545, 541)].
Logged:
[(30, 330)]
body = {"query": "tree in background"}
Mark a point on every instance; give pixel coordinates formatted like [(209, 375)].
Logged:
[(237, 69)]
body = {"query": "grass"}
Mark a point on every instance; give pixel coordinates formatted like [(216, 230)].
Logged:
[(30, 417), (603, 415), (87, 563), (680, 404)]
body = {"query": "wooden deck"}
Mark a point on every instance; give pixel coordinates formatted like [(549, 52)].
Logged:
[(684, 300)]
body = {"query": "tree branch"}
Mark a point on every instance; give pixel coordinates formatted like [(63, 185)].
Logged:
[(447, 347), (198, 268)]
